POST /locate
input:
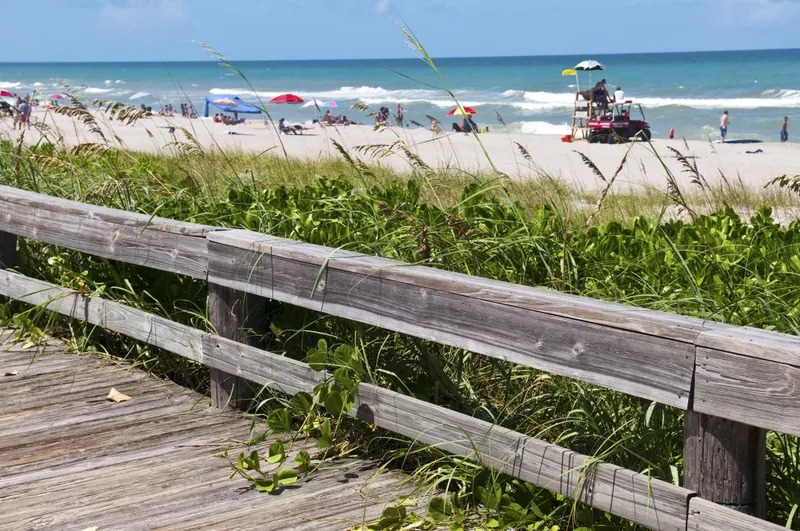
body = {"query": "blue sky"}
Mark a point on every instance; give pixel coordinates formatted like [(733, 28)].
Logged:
[(160, 30)]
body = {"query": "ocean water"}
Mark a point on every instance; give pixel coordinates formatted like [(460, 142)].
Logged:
[(684, 91)]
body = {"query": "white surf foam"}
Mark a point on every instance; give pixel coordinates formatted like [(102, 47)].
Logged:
[(10, 85), (140, 95), (365, 94), (95, 90), (539, 128)]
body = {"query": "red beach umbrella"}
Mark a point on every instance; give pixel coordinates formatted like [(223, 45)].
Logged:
[(5, 94), (57, 96), (461, 111), (287, 98)]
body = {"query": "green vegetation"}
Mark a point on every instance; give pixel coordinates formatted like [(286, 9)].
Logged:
[(715, 266)]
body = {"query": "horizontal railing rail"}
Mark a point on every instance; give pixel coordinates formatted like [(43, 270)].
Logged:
[(744, 375)]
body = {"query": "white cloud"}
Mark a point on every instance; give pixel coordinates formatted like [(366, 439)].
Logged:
[(383, 6), (132, 13)]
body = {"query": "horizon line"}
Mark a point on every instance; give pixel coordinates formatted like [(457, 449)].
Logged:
[(403, 58)]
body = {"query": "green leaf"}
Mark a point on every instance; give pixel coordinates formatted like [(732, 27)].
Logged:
[(396, 511), (287, 476), (334, 403), (439, 509), (303, 461), (325, 441), (343, 380), (649, 414), (277, 453), (317, 359), (303, 403), (279, 421), (264, 485)]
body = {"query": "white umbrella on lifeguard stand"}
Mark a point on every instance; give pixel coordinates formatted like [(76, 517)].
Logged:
[(584, 66)]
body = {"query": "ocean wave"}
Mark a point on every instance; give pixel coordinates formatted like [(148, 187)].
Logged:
[(530, 102), (95, 90), (39, 84), (721, 103), (539, 128), (140, 95), (10, 85), (374, 94)]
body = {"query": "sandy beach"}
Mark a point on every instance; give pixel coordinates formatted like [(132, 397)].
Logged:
[(550, 156)]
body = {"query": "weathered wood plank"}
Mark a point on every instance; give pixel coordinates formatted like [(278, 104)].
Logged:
[(754, 343), (274, 371), (649, 502), (143, 326), (749, 390), (612, 315), (235, 315), (30, 199), (707, 516), (333, 500), (723, 461), (634, 363), (161, 245)]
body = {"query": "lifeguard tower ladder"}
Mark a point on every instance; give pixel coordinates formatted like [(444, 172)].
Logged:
[(584, 110)]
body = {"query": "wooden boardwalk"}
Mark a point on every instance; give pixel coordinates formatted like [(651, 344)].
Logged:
[(69, 459)]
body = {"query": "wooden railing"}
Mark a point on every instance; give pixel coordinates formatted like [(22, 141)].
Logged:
[(733, 382)]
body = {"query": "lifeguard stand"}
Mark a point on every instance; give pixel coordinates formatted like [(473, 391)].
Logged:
[(584, 110)]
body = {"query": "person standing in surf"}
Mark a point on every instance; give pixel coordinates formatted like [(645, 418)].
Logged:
[(399, 115), (723, 126), (785, 129)]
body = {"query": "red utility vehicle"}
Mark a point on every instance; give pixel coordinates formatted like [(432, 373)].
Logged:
[(615, 125)]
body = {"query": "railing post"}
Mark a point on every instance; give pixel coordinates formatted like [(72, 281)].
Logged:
[(724, 462), (8, 250), (233, 314)]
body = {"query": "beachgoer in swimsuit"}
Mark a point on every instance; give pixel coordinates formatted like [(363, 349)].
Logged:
[(24, 114), (399, 115), (785, 129), (723, 126)]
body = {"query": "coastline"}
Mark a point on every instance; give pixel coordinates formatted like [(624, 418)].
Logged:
[(719, 164)]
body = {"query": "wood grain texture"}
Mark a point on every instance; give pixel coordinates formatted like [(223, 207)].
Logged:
[(353, 286), (612, 315), (264, 368), (238, 316), (749, 390), (77, 461), (649, 502), (137, 324), (753, 342), (707, 516), (133, 238), (723, 461)]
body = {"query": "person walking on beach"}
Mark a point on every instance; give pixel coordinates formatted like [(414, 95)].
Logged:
[(723, 126), (24, 114), (399, 115), (785, 129)]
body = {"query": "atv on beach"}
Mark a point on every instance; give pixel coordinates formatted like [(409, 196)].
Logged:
[(615, 125)]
